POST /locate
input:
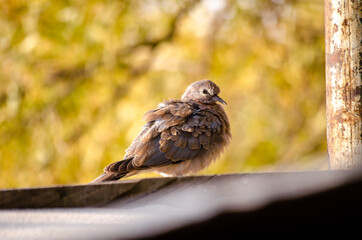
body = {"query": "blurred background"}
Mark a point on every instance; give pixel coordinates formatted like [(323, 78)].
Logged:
[(76, 78)]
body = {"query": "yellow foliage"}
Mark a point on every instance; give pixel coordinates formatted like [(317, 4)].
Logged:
[(76, 78)]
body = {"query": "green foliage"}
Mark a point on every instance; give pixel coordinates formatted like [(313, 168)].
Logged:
[(76, 78)]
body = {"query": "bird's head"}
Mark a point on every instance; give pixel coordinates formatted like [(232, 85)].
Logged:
[(204, 91)]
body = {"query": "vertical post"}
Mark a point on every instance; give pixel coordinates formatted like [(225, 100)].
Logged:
[(343, 83)]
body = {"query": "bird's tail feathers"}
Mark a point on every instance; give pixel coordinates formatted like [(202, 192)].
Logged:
[(108, 176), (115, 171)]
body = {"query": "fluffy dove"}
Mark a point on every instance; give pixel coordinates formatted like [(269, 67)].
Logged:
[(180, 137)]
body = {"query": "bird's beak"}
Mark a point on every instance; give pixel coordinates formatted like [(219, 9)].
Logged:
[(219, 99)]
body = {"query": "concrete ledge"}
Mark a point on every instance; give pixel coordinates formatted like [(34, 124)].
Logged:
[(77, 195), (102, 193), (169, 208)]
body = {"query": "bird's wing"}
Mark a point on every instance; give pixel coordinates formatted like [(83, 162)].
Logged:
[(174, 132)]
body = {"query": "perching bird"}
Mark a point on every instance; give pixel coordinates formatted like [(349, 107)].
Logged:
[(180, 136)]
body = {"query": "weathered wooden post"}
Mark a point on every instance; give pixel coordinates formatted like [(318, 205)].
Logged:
[(343, 83)]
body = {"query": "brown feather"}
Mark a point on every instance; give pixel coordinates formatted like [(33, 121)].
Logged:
[(181, 141), (205, 141), (193, 143)]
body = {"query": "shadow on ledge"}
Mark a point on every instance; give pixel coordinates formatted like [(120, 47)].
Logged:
[(330, 213)]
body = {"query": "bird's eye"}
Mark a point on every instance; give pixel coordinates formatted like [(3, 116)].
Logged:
[(205, 92)]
